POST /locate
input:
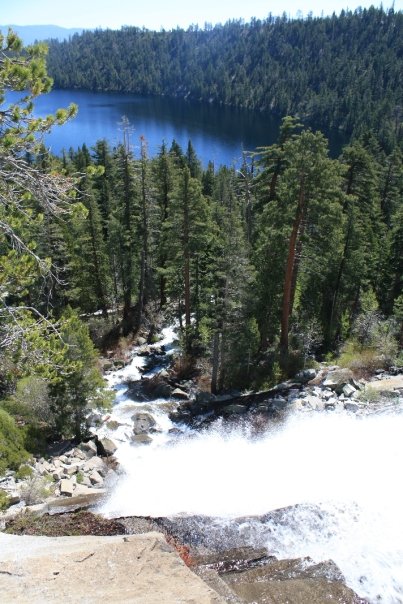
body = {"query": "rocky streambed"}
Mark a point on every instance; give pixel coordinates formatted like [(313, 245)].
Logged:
[(210, 471)]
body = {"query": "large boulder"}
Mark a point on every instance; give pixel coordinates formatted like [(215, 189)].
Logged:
[(305, 376), (67, 487), (89, 448), (95, 463), (336, 380), (107, 446), (157, 387), (143, 423)]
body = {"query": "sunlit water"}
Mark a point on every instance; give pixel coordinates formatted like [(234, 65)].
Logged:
[(344, 470)]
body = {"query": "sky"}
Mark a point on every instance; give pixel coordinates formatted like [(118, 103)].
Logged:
[(166, 14)]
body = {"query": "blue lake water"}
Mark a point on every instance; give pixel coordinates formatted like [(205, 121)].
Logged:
[(219, 134)]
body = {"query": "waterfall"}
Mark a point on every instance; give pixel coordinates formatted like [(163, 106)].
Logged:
[(337, 476)]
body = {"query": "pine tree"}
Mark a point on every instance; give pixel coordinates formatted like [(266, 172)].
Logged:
[(185, 240)]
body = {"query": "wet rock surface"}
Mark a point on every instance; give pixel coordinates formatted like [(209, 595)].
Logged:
[(247, 574)]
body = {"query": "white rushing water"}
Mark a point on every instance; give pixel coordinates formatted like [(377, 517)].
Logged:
[(344, 470)]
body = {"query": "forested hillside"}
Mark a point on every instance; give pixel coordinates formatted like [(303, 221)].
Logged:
[(293, 255), (334, 72)]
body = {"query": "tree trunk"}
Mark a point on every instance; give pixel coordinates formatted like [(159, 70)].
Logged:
[(289, 271), (216, 362)]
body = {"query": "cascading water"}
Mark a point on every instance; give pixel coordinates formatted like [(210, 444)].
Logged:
[(337, 476)]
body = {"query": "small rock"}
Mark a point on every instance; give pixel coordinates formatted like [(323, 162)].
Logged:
[(94, 419), (95, 463), (118, 364), (331, 403), (66, 487), (86, 482), (57, 473), (96, 478), (181, 394), (70, 470), (348, 390), (79, 454), (297, 404), (175, 431), (113, 424), (314, 403), (141, 439), (353, 407), (82, 489)]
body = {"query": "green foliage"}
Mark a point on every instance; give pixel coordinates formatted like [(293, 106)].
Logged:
[(4, 500), (79, 477), (30, 400), (24, 472), (77, 385), (36, 489), (12, 451)]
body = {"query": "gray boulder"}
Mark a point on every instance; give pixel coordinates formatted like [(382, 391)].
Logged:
[(96, 478), (141, 439), (181, 394), (143, 422), (336, 380), (348, 390), (67, 487), (350, 406), (306, 375), (279, 403), (89, 448), (107, 446), (95, 463)]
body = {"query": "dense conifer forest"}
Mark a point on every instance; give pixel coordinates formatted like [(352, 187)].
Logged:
[(335, 72), (293, 256)]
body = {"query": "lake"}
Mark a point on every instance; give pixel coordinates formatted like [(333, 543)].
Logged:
[(219, 134)]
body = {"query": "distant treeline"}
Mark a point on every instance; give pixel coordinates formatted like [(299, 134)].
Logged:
[(335, 72)]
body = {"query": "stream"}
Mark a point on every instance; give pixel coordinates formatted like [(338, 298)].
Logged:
[(335, 477)]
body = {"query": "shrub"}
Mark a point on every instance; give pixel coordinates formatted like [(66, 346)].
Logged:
[(12, 451), (4, 500), (36, 489), (24, 472)]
